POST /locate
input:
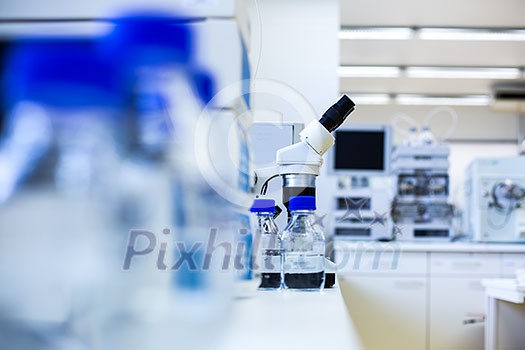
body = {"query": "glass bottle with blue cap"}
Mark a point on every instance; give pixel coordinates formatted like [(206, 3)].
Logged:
[(303, 246), (61, 153), (269, 258), (154, 53)]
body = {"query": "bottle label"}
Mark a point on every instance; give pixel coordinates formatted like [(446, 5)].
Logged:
[(300, 262), (270, 261)]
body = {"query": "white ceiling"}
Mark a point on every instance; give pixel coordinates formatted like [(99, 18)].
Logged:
[(448, 13), (417, 52), (432, 53)]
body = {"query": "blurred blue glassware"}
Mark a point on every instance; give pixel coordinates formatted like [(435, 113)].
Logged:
[(153, 54), (60, 157)]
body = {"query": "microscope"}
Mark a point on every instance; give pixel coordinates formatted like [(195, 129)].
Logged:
[(300, 163)]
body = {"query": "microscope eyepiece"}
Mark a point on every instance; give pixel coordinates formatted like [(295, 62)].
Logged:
[(336, 115)]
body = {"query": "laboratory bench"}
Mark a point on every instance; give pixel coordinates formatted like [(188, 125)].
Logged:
[(303, 320), (421, 295), (434, 246)]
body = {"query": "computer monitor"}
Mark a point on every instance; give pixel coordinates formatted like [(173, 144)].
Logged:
[(361, 150)]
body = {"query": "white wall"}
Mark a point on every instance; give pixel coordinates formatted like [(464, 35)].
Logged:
[(474, 122), (294, 44)]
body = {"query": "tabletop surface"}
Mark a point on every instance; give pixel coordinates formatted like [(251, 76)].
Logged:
[(291, 320)]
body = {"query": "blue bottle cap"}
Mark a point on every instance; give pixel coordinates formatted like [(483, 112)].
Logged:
[(150, 39), (263, 206), (60, 72), (302, 203)]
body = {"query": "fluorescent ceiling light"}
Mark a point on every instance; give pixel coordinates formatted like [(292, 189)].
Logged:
[(469, 100), (463, 73), (431, 33), (376, 33), (370, 99), (369, 72), (471, 34)]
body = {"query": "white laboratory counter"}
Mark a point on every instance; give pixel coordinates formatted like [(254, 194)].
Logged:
[(451, 247), (291, 320)]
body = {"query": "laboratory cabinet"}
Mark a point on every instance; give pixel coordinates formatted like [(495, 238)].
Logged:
[(386, 292), (510, 263), (421, 296), (397, 321), (456, 298)]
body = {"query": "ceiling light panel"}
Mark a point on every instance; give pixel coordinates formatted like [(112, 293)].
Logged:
[(462, 73), (370, 99), (420, 100), (369, 72), (468, 34), (431, 33), (376, 33)]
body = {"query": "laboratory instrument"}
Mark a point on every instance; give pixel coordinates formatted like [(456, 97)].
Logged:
[(361, 151), (494, 199), (268, 244), (303, 247), (358, 169), (300, 163), (420, 208)]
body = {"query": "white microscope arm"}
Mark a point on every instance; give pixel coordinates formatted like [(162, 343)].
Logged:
[(304, 157)]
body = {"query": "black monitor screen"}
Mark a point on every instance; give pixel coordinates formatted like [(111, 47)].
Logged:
[(359, 150)]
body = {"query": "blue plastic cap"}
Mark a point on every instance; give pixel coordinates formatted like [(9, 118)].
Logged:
[(302, 203), (263, 206), (150, 38), (60, 72)]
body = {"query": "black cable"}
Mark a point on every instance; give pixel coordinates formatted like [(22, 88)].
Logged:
[(264, 187)]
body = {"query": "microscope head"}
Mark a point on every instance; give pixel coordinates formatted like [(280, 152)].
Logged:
[(336, 115), (317, 134)]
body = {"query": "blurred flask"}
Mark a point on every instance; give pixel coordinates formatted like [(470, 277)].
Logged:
[(59, 162), (153, 54)]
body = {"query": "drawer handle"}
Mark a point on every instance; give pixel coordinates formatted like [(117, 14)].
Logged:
[(466, 265), (409, 284), (473, 318)]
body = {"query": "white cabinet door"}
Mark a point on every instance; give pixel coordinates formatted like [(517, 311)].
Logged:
[(452, 301), (464, 264), (388, 311), (456, 295), (375, 259), (510, 263)]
